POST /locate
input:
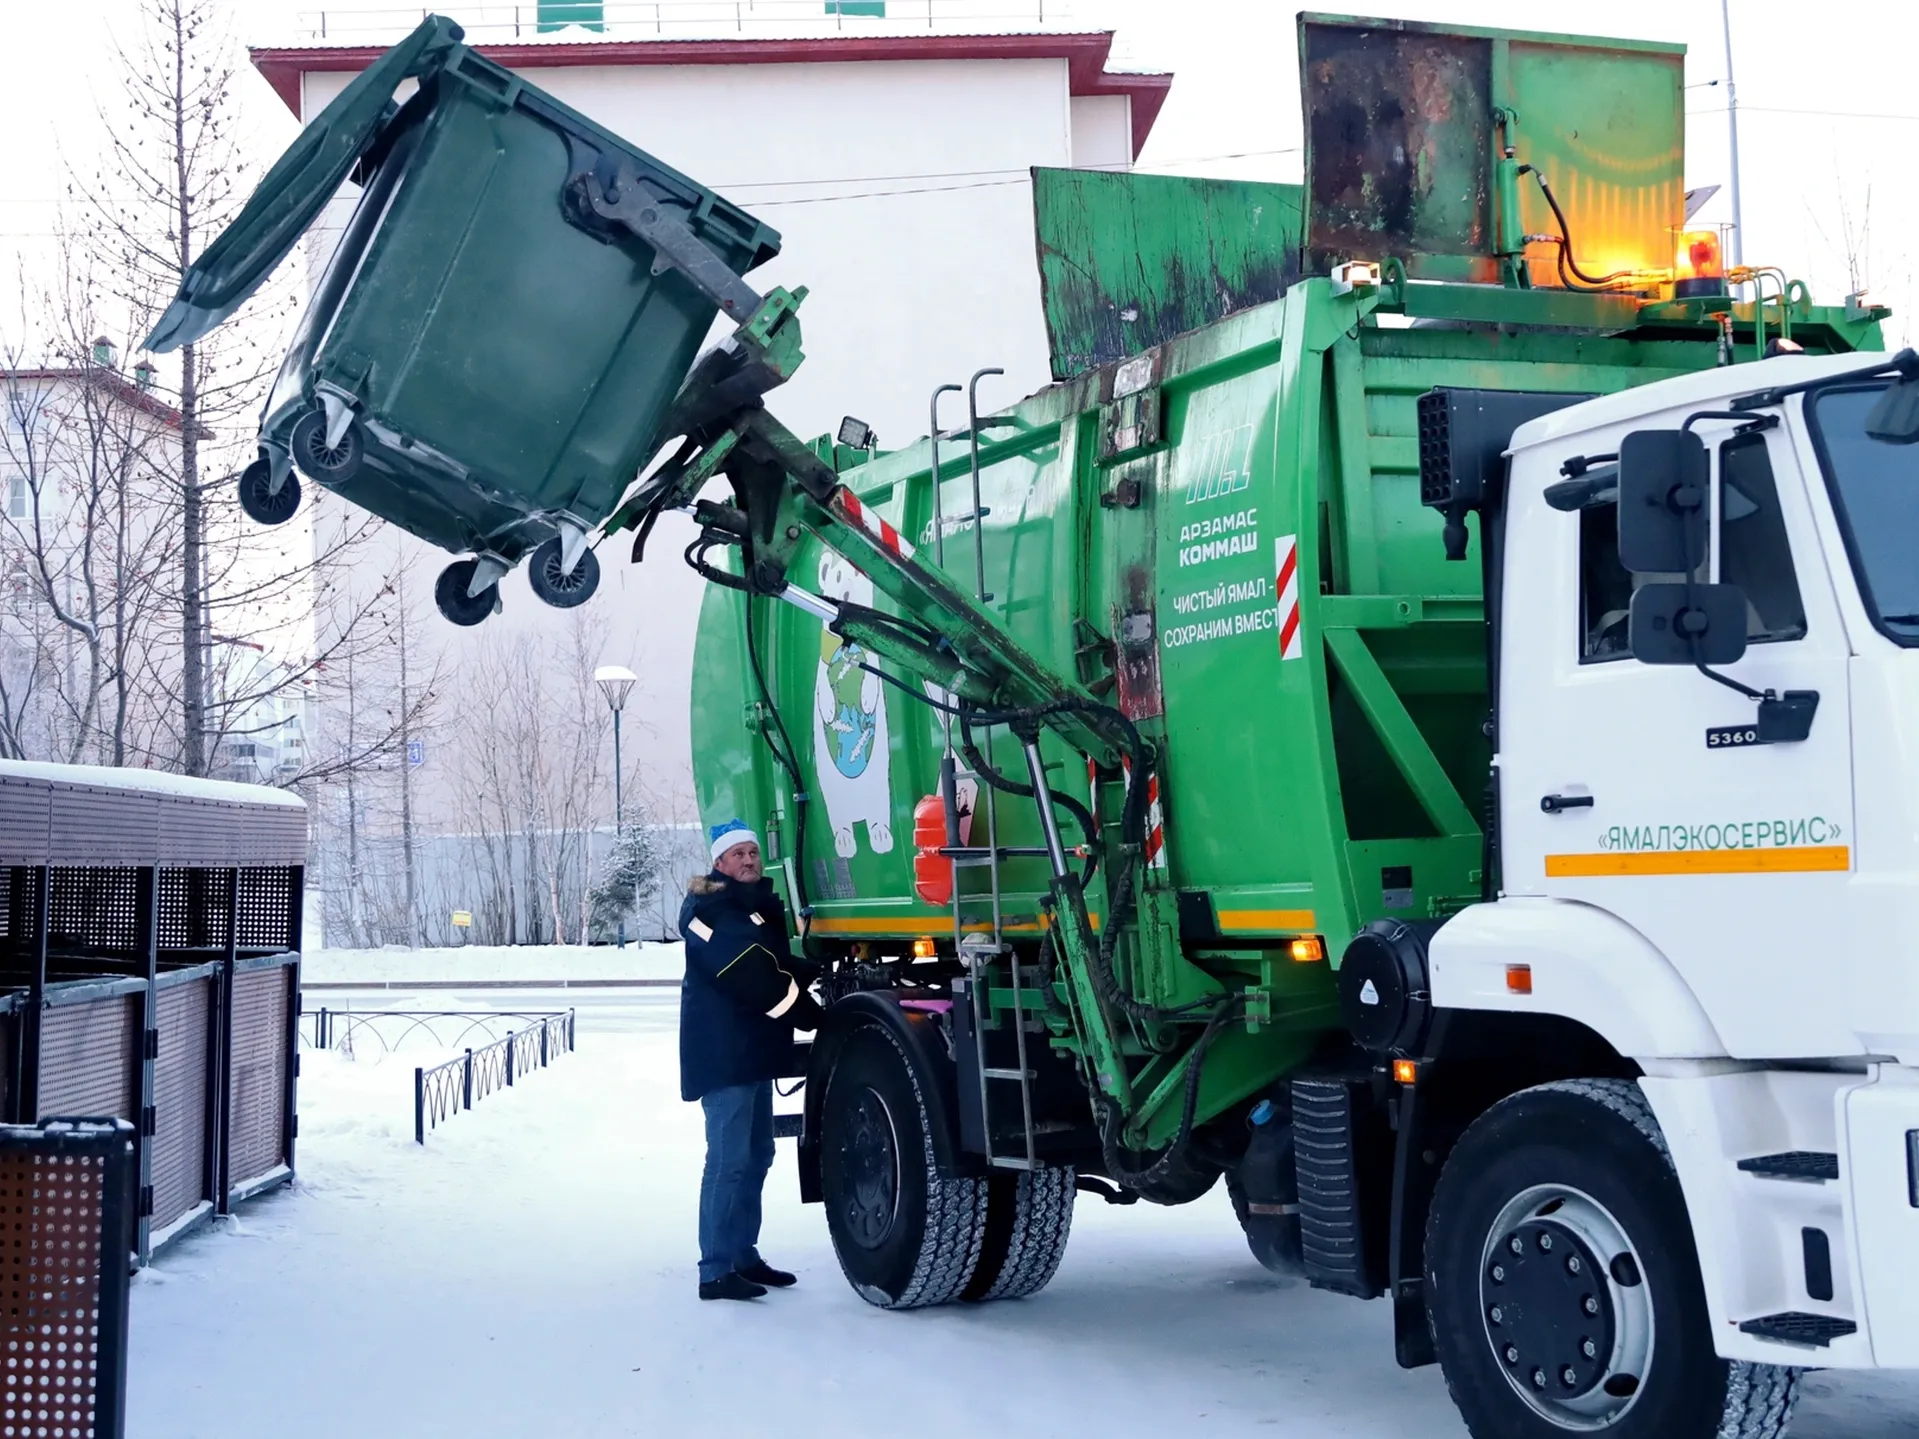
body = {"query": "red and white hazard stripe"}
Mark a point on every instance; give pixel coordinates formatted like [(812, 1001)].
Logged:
[(1292, 644), (1155, 816), (878, 528)]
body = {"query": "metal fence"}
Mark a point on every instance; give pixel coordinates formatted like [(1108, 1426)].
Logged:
[(66, 1224), (634, 19), (444, 1090), (349, 1030)]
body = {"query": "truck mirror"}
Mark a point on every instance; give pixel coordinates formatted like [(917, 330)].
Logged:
[(1663, 478), (1687, 624)]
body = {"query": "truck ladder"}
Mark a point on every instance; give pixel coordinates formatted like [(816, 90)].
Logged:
[(978, 950)]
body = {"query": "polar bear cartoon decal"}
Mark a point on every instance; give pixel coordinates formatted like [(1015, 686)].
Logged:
[(850, 743)]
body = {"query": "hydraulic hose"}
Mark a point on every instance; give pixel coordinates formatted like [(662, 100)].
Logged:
[(1163, 1164), (1568, 266), (788, 759)]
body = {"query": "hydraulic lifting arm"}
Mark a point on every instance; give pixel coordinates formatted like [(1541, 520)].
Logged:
[(938, 636)]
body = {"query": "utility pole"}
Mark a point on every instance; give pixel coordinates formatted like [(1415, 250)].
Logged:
[(1732, 125), (413, 935)]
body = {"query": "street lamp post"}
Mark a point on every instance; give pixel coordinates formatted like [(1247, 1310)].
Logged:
[(616, 683)]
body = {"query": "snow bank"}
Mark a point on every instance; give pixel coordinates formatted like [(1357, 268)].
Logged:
[(479, 963)]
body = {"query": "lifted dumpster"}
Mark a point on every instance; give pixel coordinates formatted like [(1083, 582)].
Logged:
[(486, 362)]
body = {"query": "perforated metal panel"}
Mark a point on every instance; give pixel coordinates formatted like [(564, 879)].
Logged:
[(180, 1099), (256, 1137), (88, 1061), (62, 1370), (266, 902), (193, 908), (93, 909)]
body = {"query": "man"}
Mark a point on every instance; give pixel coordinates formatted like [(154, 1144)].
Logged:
[(743, 996)]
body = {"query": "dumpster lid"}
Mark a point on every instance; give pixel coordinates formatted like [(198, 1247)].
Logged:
[(296, 189)]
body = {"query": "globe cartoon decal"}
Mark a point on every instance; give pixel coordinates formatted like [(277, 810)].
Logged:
[(852, 756)]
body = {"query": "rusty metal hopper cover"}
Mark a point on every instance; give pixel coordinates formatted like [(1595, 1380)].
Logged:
[(1401, 142)]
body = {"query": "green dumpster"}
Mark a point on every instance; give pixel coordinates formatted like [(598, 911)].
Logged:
[(487, 361)]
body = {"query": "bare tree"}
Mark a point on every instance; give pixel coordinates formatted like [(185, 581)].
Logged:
[(83, 529)]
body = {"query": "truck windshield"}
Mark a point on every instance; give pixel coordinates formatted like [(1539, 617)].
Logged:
[(1875, 488)]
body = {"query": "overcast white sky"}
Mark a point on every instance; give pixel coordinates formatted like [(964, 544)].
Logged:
[(1829, 115)]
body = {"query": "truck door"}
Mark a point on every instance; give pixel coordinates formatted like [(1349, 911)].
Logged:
[(1641, 790)]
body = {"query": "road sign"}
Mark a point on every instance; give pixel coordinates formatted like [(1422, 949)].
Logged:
[(415, 753), (462, 919)]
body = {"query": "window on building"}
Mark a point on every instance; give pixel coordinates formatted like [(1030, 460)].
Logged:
[(19, 506)]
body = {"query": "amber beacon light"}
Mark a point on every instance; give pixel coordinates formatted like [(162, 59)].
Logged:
[(1698, 268)]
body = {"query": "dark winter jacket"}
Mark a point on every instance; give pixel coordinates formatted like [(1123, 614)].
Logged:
[(745, 990)]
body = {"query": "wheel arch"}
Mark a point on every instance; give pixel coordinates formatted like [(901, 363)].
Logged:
[(1472, 1061), (1582, 964), (920, 1039)]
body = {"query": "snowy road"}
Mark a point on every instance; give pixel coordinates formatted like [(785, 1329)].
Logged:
[(530, 1273)]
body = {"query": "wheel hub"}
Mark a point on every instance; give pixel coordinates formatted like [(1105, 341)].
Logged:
[(872, 1171), (1566, 1308), (1547, 1309)]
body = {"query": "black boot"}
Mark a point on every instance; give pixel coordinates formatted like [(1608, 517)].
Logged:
[(760, 1272), (731, 1286)]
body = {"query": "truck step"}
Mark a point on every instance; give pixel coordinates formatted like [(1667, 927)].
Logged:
[(1815, 1331), (1011, 1073), (1332, 1226), (1007, 1161), (1807, 1164)]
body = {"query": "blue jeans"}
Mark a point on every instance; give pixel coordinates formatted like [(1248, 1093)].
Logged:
[(739, 1152)]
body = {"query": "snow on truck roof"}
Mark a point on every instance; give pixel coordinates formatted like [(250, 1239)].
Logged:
[(93, 815)]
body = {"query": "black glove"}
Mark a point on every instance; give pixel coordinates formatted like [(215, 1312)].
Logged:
[(806, 1013)]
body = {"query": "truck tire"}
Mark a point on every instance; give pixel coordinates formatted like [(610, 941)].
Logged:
[(1562, 1286), (1029, 1214), (907, 1235)]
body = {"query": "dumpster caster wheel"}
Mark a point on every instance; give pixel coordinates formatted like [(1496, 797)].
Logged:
[(323, 463), (262, 506), (450, 594), (553, 584)]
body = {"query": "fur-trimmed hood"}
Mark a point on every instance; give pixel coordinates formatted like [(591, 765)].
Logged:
[(705, 884)]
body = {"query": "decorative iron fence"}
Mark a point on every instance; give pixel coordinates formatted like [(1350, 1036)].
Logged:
[(444, 1090), (346, 1029)]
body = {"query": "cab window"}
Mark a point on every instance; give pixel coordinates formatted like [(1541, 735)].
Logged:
[(1753, 550), (1754, 554)]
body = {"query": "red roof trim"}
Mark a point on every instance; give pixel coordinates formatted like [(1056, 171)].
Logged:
[(127, 392), (1085, 56)]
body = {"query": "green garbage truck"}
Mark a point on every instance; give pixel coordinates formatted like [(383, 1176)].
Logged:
[(1410, 726)]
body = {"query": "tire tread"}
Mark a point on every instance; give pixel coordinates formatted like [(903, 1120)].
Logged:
[(1041, 1225), (955, 1219)]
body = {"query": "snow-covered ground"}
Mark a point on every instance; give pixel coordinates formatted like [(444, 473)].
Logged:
[(530, 1272)]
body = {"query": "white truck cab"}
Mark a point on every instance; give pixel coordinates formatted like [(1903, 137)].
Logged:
[(1708, 778)]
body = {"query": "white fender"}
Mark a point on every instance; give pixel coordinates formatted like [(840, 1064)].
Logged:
[(1586, 965)]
